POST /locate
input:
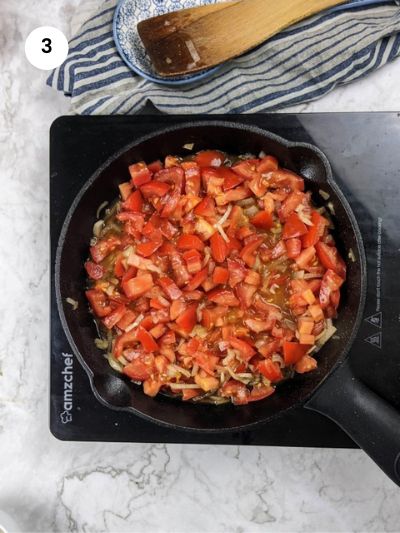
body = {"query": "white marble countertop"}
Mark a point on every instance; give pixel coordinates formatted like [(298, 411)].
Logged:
[(48, 485)]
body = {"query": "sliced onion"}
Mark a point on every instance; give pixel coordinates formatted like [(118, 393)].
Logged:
[(331, 208), (276, 358), (199, 331), (324, 194), (100, 208), (181, 386), (224, 217), (97, 227), (180, 370), (114, 363), (251, 211), (222, 232), (310, 275), (351, 256), (101, 344), (135, 323), (73, 303)]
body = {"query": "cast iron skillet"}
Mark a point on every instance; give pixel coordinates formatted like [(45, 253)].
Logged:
[(368, 419)]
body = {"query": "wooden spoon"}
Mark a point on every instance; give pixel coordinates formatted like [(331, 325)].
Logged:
[(197, 38)]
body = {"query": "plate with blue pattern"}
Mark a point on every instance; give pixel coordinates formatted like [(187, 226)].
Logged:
[(129, 45)]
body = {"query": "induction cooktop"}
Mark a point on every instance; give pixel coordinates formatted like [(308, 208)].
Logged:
[(364, 151)]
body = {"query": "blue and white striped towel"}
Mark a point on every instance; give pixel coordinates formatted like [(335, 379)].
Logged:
[(299, 65)]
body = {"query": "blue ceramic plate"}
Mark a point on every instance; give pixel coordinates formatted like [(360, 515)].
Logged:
[(130, 47)]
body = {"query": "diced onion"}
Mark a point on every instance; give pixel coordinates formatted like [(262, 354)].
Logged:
[(251, 211), (72, 303), (331, 208), (102, 344), (324, 194), (300, 274), (262, 154), (199, 331), (188, 146), (246, 202), (351, 256)]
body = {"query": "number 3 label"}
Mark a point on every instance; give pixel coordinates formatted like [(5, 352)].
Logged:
[(46, 48)]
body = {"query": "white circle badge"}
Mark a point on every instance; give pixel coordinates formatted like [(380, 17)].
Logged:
[(46, 47)]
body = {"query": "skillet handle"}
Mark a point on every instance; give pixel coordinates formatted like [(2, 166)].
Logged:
[(367, 418)]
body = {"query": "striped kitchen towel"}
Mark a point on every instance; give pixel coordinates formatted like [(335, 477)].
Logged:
[(299, 65)]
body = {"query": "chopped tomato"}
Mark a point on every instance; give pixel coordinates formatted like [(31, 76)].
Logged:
[(140, 369), (231, 180), (270, 370), (306, 256), (193, 261), (146, 249), (316, 231), (237, 391), (98, 302), (293, 227), (103, 248), (247, 253), (331, 283), (190, 242), (305, 364), (206, 208), (294, 351), (330, 258), (267, 164), (146, 340), (114, 317), (220, 275), (170, 288), (245, 349), (197, 280), (187, 320), (94, 270), (154, 188), (155, 166), (188, 299), (219, 249), (134, 202), (223, 297), (210, 158), (136, 287), (293, 248), (262, 220), (140, 174)]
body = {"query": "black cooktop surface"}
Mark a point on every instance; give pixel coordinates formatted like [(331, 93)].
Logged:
[(364, 151)]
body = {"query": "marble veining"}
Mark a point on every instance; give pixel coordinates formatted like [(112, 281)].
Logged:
[(49, 485)]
